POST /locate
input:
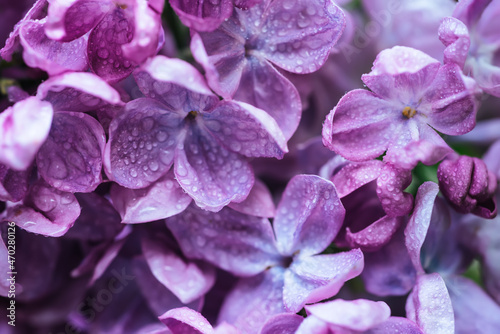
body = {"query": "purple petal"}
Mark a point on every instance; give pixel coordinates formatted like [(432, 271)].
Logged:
[(148, 32), (429, 305), (202, 16), (254, 300), (282, 324), (454, 35), (376, 235), (429, 151), (389, 271), (361, 127), (302, 45), (25, 126), (259, 202), (357, 315), (265, 88), (471, 302), (210, 174), (78, 92), (4, 265), (396, 325), (454, 108), (186, 321), (308, 216), (69, 20), (256, 133), (14, 184), (162, 199), (355, 175), (174, 82), (104, 50), (417, 227), (188, 281), (12, 42), (222, 55), (56, 211), (54, 57), (71, 160), (313, 325), (159, 299), (312, 279), (225, 328), (401, 73), (238, 243), (141, 143), (390, 190)]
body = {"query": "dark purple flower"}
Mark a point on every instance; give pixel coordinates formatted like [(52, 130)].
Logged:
[(468, 185)]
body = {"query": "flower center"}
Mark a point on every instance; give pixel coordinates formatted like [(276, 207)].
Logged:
[(409, 112), (192, 115)]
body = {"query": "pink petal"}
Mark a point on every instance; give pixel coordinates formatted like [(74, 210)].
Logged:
[(184, 320), (308, 216), (104, 50), (54, 57), (259, 202), (210, 174), (357, 315), (78, 91), (71, 160), (25, 127), (417, 227), (188, 281), (141, 143), (429, 305), (312, 279), (238, 243), (254, 300), (256, 133), (162, 199), (302, 44), (69, 20)]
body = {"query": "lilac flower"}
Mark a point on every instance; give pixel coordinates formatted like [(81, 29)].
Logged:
[(407, 102), (468, 185), (470, 38), (181, 122), (308, 218), (294, 35)]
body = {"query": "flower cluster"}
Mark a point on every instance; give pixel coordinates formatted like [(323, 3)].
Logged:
[(249, 166)]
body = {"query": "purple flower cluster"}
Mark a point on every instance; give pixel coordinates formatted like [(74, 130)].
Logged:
[(201, 167)]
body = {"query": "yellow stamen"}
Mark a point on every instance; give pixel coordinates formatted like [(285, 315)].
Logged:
[(409, 112)]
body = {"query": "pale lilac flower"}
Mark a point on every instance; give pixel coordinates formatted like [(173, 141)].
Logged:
[(411, 96), (181, 122)]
